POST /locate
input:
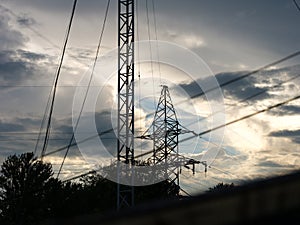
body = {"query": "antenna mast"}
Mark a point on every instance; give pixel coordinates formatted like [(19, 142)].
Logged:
[(125, 144)]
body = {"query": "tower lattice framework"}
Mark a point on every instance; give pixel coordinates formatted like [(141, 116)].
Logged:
[(164, 132), (125, 145)]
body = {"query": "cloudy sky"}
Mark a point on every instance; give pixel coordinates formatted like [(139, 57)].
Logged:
[(231, 37)]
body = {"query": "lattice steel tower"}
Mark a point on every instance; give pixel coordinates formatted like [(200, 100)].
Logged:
[(125, 146), (164, 132)]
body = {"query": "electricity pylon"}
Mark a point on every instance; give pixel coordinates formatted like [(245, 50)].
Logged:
[(164, 132)]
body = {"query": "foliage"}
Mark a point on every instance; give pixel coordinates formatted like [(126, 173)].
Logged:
[(221, 187), (25, 185), (29, 193)]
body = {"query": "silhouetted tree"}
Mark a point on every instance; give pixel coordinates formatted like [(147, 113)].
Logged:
[(25, 184), (221, 187), (101, 193), (29, 193)]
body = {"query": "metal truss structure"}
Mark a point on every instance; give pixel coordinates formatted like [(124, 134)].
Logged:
[(165, 135), (164, 132), (125, 145)]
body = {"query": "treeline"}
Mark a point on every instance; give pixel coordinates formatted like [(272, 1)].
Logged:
[(29, 193)]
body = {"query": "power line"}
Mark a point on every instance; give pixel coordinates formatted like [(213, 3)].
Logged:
[(186, 139), (253, 96), (50, 139), (198, 95), (138, 38), (246, 99), (247, 74), (34, 133), (149, 152), (297, 5), (156, 40), (79, 142), (38, 33), (239, 78), (150, 50), (139, 66), (222, 171), (43, 86), (185, 192), (34, 139), (245, 117), (196, 183), (265, 90), (231, 122), (56, 80), (29, 27), (42, 123), (87, 90), (97, 170)]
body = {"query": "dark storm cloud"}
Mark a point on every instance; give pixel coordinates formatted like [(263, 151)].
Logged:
[(103, 125), (241, 89), (286, 110), (192, 89), (103, 121), (10, 127), (20, 128), (258, 85), (13, 71), (235, 18), (29, 122), (9, 38), (20, 134), (62, 132), (17, 135), (238, 91), (240, 19), (293, 135), (18, 125), (267, 163), (16, 65)]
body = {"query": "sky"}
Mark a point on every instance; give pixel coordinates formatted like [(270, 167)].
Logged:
[(232, 38)]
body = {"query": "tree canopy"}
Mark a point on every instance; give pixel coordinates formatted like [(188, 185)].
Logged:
[(25, 185), (29, 193), (221, 187)]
